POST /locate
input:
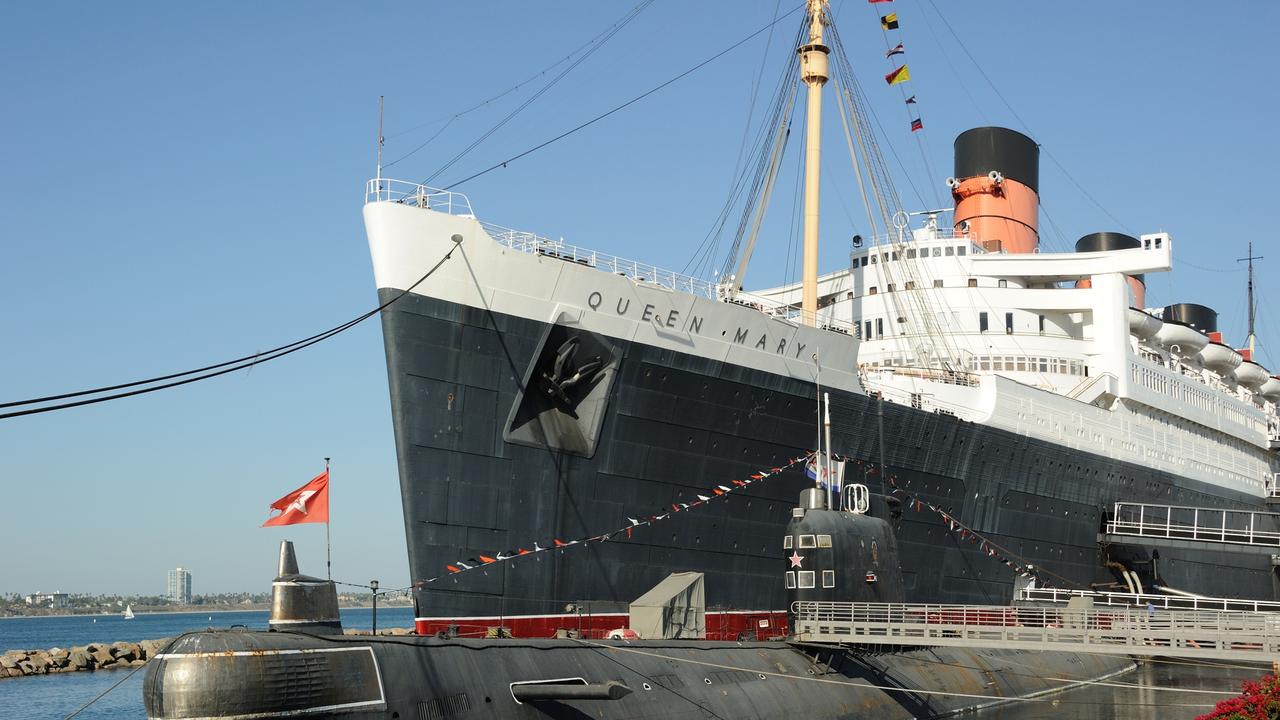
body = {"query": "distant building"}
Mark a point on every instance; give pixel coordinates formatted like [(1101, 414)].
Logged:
[(54, 599), (179, 588)]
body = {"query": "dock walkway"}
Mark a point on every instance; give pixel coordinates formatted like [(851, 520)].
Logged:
[(1248, 636)]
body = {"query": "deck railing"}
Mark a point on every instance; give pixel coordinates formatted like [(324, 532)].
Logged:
[(1240, 527), (1142, 600)]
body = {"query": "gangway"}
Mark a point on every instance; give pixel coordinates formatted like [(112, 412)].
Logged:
[(1176, 522), (1243, 636), (1142, 600)]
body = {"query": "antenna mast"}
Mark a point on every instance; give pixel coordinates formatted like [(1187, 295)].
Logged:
[(380, 138), (813, 71), (1250, 340)]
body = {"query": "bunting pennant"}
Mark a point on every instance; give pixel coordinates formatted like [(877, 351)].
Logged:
[(917, 124), (873, 2), (965, 532), (719, 492), (911, 100), (889, 22), (899, 75), (897, 50)]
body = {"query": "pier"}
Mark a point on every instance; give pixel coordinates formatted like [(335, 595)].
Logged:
[(1206, 635)]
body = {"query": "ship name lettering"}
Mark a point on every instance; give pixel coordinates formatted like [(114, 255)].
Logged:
[(764, 340), (799, 349), (595, 300), (782, 345), (648, 313), (672, 316), (695, 325), (739, 335), (622, 309)]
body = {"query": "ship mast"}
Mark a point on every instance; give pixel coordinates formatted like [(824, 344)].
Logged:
[(1250, 340), (813, 71)]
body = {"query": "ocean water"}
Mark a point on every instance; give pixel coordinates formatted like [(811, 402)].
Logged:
[(57, 696)]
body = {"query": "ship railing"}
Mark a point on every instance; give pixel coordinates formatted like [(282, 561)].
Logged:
[(417, 195), (1175, 522), (535, 244), (1273, 485), (1162, 602), (1127, 630)]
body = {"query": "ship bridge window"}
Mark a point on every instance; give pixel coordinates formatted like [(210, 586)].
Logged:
[(937, 283), (911, 253), (791, 580), (804, 579), (786, 543), (909, 285), (828, 578), (983, 325), (1008, 323), (879, 327), (871, 290), (950, 251), (890, 288), (807, 541), (962, 250), (864, 261), (973, 282), (937, 252), (824, 541), (1003, 283)]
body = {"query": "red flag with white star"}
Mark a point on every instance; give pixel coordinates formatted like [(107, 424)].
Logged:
[(307, 504)]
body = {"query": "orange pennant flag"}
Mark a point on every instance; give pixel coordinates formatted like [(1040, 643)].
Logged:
[(307, 504)]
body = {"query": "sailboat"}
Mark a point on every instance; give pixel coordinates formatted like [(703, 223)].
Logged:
[(128, 612)]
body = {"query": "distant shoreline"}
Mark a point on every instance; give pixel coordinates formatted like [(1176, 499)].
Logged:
[(146, 613)]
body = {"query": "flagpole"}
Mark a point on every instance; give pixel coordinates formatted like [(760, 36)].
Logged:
[(817, 473), (328, 556)]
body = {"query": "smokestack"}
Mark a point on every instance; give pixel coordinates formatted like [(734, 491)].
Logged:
[(1102, 241), (996, 188)]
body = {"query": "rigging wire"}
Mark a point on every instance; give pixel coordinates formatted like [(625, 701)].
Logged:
[(494, 98), (1024, 124), (609, 34), (621, 107), (203, 373)]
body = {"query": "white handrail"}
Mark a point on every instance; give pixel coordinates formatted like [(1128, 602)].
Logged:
[(1206, 524)]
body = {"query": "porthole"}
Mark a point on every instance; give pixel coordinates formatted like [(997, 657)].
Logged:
[(646, 686), (761, 676), (706, 680)]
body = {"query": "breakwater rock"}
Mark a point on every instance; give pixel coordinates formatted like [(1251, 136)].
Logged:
[(94, 656)]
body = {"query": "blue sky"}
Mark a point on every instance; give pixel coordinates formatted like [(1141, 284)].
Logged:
[(182, 184)]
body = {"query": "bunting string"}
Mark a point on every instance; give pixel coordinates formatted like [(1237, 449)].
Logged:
[(625, 532), (965, 533)]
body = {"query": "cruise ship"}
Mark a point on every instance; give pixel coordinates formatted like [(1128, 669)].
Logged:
[(543, 390)]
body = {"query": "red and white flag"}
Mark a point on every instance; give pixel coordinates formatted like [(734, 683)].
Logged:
[(307, 504)]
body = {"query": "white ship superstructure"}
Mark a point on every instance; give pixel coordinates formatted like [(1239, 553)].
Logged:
[(1048, 345)]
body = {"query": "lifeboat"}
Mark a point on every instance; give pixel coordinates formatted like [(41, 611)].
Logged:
[(1220, 358), (1251, 375), (1271, 388), (1182, 340), (1143, 325)]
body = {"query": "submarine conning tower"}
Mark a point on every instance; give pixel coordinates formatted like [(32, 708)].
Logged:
[(301, 602), (847, 555), (996, 188)]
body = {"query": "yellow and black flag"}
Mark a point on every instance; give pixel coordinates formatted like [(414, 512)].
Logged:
[(889, 22)]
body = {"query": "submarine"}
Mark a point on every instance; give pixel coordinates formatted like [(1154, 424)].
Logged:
[(658, 668)]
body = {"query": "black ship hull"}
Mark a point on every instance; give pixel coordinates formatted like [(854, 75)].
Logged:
[(669, 424)]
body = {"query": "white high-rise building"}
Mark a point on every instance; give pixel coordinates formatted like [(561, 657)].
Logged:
[(179, 587)]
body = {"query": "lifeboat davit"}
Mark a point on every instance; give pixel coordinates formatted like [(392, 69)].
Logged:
[(1220, 358), (1271, 388), (1143, 325), (1251, 375), (1182, 340)]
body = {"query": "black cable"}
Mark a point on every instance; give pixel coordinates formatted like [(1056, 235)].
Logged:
[(240, 364), (120, 682), (623, 106)]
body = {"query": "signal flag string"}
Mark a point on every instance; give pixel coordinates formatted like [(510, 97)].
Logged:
[(718, 492), (989, 547)]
